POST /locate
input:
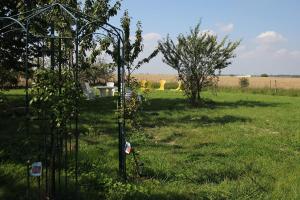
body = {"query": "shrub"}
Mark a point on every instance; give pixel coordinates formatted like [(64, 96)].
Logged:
[(244, 82), (264, 75), (148, 85), (171, 85), (168, 85)]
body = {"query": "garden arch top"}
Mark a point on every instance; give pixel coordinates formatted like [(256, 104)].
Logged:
[(81, 22)]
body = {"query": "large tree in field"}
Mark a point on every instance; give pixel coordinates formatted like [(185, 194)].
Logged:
[(197, 57)]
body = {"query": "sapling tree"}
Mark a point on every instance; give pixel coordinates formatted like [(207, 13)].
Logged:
[(197, 57), (132, 50), (131, 61)]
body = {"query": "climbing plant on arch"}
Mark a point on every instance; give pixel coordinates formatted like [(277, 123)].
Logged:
[(55, 96)]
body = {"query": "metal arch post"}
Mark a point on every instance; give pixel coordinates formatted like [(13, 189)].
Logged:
[(124, 107), (40, 11), (17, 29), (26, 78), (76, 108), (66, 10), (15, 21), (120, 114), (113, 32), (121, 110)]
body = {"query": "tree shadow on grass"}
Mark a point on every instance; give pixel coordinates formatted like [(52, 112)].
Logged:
[(163, 104), (206, 120), (11, 187), (241, 103), (170, 196), (167, 104), (99, 106), (99, 115), (195, 121)]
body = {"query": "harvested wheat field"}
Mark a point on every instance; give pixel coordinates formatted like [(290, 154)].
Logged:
[(233, 81), (156, 77)]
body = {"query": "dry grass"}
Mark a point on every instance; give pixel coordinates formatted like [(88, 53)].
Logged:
[(156, 77), (229, 81), (262, 82)]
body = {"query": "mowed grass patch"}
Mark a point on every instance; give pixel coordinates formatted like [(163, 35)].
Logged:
[(238, 146), (235, 147)]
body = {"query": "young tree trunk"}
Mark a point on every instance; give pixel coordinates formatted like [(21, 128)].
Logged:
[(198, 92), (198, 97), (128, 78), (193, 98)]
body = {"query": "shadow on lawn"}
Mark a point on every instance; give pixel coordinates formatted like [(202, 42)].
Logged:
[(99, 115), (12, 187), (196, 121), (241, 103), (161, 104)]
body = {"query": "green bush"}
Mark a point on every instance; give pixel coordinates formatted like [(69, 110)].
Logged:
[(154, 85), (244, 82), (149, 85), (171, 85)]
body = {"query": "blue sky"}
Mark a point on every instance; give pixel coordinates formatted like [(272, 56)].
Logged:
[(269, 30)]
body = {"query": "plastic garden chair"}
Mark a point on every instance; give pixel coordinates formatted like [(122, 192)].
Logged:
[(111, 90), (179, 86), (162, 85), (88, 91), (143, 85)]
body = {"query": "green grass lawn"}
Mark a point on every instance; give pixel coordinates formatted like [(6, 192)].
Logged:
[(239, 146)]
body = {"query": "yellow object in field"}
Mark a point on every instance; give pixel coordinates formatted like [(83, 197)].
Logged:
[(179, 86), (162, 85), (143, 85)]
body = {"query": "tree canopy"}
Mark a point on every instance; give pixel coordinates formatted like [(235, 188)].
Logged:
[(12, 45)]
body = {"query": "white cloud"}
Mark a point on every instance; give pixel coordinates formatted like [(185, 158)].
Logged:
[(241, 48), (295, 54), (208, 32), (266, 59), (270, 37), (288, 54), (226, 28), (263, 52), (152, 36), (281, 52)]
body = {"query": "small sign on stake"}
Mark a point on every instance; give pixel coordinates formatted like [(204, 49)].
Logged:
[(36, 169), (128, 148)]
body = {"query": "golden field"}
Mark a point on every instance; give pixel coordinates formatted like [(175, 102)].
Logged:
[(233, 81)]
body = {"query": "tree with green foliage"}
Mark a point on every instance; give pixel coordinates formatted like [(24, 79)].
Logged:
[(12, 45), (100, 71), (264, 75), (197, 57), (131, 52), (244, 82)]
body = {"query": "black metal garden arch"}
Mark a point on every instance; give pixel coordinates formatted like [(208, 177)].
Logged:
[(82, 22)]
